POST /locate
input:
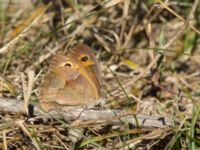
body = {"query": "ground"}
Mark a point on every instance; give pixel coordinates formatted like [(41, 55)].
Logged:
[(149, 58)]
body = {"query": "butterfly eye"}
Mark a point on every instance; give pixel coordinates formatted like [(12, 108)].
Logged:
[(84, 58)]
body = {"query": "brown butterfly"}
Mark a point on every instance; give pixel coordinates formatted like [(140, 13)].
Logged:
[(73, 80)]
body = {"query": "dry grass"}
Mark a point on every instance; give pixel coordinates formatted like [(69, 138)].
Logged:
[(149, 54)]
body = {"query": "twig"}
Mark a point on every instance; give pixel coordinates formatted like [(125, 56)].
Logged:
[(4, 140), (84, 115), (24, 33), (195, 4), (20, 123)]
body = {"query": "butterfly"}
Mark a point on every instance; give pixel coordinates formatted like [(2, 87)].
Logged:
[(73, 80)]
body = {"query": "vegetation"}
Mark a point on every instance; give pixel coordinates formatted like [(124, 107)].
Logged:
[(149, 55)]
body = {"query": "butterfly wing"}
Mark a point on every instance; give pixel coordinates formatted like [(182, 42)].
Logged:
[(55, 80), (91, 66), (72, 81), (76, 92)]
